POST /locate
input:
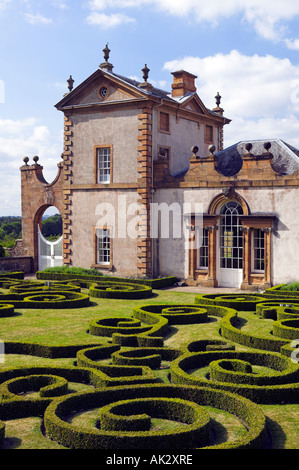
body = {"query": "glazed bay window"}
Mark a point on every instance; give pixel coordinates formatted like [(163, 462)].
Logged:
[(103, 162), (258, 250), (103, 245)]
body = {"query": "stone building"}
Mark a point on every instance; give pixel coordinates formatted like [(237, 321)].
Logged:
[(127, 155)]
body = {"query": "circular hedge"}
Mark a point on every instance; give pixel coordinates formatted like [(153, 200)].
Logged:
[(118, 290), (6, 310), (120, 428), (287, 328), (281, 384), (175, 314), (242, 302), (40, 299)]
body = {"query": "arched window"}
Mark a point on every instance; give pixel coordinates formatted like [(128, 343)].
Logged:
[(231, 239)]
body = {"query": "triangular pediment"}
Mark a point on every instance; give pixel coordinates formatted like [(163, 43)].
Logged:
[(100, 88), (195, 104)]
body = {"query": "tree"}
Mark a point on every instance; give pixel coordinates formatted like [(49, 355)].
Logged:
[(52, 226), (2, 252)]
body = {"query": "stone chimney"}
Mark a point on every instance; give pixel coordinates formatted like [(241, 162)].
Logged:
[(183, 83)]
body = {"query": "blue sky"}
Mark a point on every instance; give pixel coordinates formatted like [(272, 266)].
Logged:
[(247, 50)]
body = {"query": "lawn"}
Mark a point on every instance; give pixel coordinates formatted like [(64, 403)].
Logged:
[(70, 326)]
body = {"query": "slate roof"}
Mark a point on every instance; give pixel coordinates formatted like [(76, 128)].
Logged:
[(285, 157)]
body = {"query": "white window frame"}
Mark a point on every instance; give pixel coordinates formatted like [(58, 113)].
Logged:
[(255, 248), (104, 164), (203, 251), (103, 246)]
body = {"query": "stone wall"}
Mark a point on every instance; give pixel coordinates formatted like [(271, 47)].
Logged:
[(21, 263)]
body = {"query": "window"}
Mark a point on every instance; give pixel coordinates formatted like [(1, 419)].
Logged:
[(203, 252), (164, 122), (231, 238), (209, 135), (103, 92), (103, 241), (164, 153), (258, 250), (103, 164)]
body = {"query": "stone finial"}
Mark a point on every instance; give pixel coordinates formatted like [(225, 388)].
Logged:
[(194, 150), (70, 82), (106, 65), (248, 147), (145, 72), (218, 108), (212, 149), (36, 159), (218, 99), (267, 146), (145, 84), (106, 51), (26, 160)]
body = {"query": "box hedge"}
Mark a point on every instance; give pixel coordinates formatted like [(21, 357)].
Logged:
[(75, 437)]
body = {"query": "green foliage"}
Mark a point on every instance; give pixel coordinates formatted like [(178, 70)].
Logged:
[(52, 226), (65, 272), (179, 403), (10, 230), (2, 252), (294, 286)]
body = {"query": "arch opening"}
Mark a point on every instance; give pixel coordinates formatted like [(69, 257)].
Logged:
[(48, 222)]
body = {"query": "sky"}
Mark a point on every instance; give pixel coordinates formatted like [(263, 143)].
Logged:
[(247, 50)]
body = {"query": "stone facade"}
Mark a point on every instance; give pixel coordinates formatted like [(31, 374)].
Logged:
[(129, 144)]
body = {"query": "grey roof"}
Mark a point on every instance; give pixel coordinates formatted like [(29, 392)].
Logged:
[(285, 157)]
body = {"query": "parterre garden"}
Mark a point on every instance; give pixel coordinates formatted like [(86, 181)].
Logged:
[(96, 363)]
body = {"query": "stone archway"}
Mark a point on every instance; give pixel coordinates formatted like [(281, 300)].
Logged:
[(37, 196)]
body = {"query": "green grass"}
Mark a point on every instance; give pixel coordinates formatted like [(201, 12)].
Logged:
[(66, 327)]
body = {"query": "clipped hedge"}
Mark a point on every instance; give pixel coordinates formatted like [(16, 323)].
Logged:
[(43, 350), (113, 375), (242, 302), (174, 313), (46, 299), (12, 275), (281, 385), (126, 332), (59, 430), (113, 290), (283, 289), (150, 357), (33, 286), (230, 331), (158, 283), (6, 310), (46, 385), (286, 328)]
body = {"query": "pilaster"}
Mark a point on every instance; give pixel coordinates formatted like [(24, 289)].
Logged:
[(144, 191)]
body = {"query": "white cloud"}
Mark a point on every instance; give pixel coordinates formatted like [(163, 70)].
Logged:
[(292, 44), (268, 18), (259, 93), (251, 86), (286, 129), (108, 21), (4, 4), (37, 19), (20, 138)]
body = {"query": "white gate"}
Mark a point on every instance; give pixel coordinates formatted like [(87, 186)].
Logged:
[(49, 253)]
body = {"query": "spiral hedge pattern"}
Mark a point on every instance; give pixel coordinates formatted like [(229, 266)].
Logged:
[(126, 404)]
